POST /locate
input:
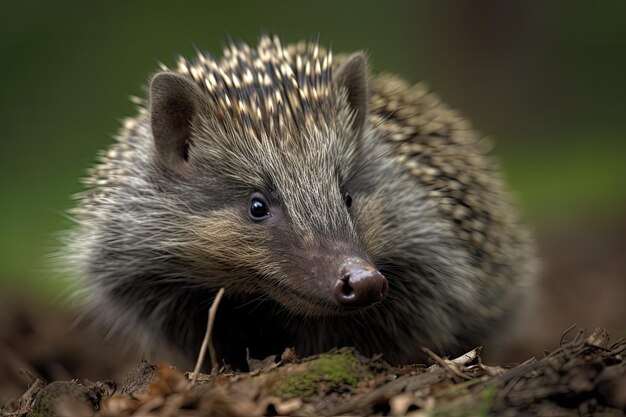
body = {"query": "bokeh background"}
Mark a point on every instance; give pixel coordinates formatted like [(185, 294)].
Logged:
[(546, 80)]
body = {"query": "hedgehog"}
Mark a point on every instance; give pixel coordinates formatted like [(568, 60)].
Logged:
[(335, 207)]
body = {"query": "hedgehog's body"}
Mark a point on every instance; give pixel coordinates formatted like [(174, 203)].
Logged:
[(266, 174)]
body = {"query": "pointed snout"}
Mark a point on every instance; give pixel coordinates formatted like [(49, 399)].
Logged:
[(359, 284)]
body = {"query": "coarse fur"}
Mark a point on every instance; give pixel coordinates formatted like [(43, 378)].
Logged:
[(163, 222)]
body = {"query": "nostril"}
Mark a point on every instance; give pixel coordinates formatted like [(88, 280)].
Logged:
[(346, 289), (360, 284)]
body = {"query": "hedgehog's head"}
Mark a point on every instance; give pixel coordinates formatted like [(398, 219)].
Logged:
[(267, 141)]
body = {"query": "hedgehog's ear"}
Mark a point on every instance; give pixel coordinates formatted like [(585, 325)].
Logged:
[(175, 102), (352, 75)]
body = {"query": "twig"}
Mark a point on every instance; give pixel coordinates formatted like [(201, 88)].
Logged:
[(447, 365), (206, 343), (569, 329)]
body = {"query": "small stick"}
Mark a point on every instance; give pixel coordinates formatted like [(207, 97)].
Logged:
[(569, 329), (206, 343), (445, 365)]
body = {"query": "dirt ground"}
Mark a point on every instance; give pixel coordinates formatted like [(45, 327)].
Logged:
[(584, 283)]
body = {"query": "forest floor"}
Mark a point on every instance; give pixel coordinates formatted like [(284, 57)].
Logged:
[(48, 368), (585, 375)]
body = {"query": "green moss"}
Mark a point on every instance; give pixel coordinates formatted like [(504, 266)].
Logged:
[(44, 407), (487, 398), (44, 404), (46, 401), (325, 373), (459, 401)]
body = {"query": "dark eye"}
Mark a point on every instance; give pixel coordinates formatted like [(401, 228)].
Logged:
[(348, 200), (259, 209)]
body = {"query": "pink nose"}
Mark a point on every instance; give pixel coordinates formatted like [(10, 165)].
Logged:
[(360, 284)]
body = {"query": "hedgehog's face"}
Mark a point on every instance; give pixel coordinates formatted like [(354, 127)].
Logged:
[(303, 217), (281, 217)]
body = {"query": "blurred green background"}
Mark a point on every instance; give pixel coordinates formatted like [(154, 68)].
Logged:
[(546, 80)]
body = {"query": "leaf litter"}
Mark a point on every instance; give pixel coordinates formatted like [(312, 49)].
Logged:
[(584, 376)]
